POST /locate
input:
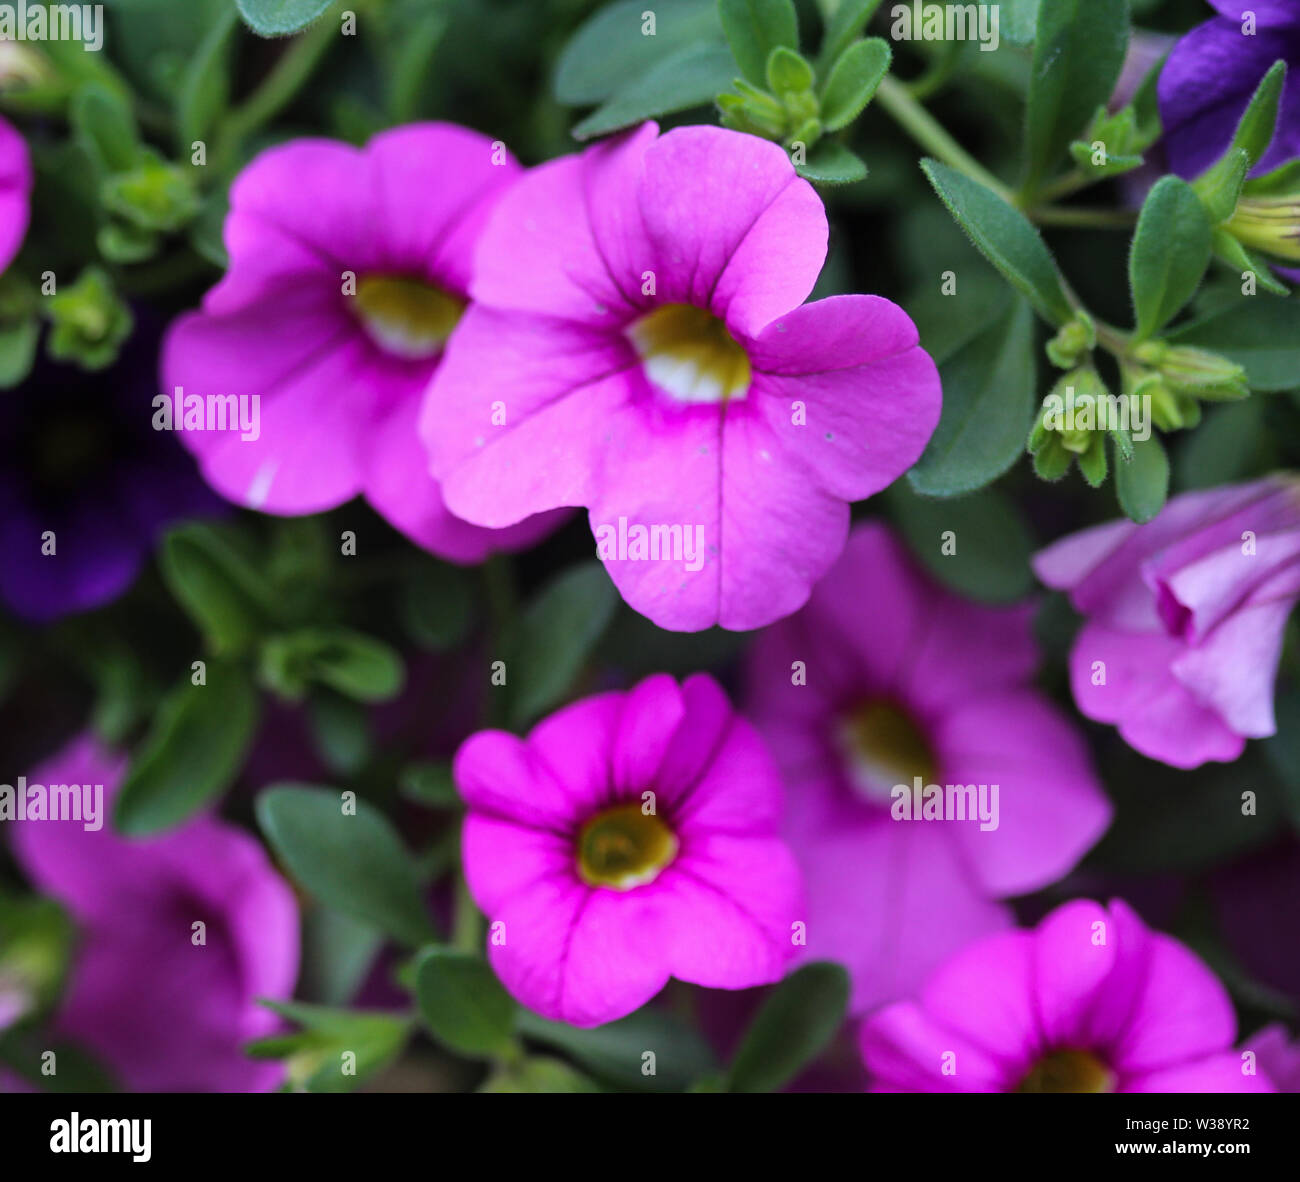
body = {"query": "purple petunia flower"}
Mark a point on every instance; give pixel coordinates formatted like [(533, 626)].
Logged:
[(1211, 74), (162, 1011), (1088, 1001), (86, 484), (883, 678), (349, 268), (15, 192), (631, 837), (1186, 616), (638, 345)]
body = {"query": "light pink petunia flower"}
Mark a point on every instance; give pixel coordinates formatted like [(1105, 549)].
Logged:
[(349, 268), (632, 837), (161, 1011), (638, 345), (885, 677), (1185, 618), (1088, 1001), (15, 192)]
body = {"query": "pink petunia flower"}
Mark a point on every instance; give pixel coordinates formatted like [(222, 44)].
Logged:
[(1185, 618), (631, 837), (161, 1010), (1277, 1057), (885, 685), (349, 268), (638, 345), (1088, 1001), (15, 192)]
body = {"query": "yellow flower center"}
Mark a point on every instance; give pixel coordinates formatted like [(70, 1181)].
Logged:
[(1068, 1071), (689, 353), (624, 848), (407, 317), (882, 747)]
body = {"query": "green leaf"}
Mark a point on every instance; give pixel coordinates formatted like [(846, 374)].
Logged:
[(316, 1053), (1171, 249), (1019, 21), (988, 401), (430, 783), (1172, 820), (1142, 483), (551, 642), (537, 1075), (463, 1003), (340, 729), (688, 78), (792, 1028), (18, 342), (106, 126), (1255, 129), (611, 50), (193, 751), (1005, 237), (1226, 449), (1283, 751), (853, 80), (220, 587), (616, 1051), (990, 545), (279, 18), (205, 85), (438, 606), (850, 19), (1079, 49), (1278, 183), (1219, 187), (756, 27), (353, 862), (1229, 250), (1259, 333), (358, 666), (831, 163), (788, 72)]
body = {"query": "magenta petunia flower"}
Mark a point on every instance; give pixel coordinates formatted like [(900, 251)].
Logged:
[(632, 837), (15, 192), (1277, 1057), (162, 1010), (638, 345), (1088, 1001), (1185, 618), (349, 268), (887, 686)]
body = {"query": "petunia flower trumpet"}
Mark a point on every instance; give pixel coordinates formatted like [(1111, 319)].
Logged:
[(1185, 618), (631, 837), (638, 344)]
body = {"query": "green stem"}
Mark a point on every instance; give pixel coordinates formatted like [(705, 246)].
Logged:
[(503, 604), (1063, 186), (1104, 219), (280, 87), (926, 131), (467, 924)]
